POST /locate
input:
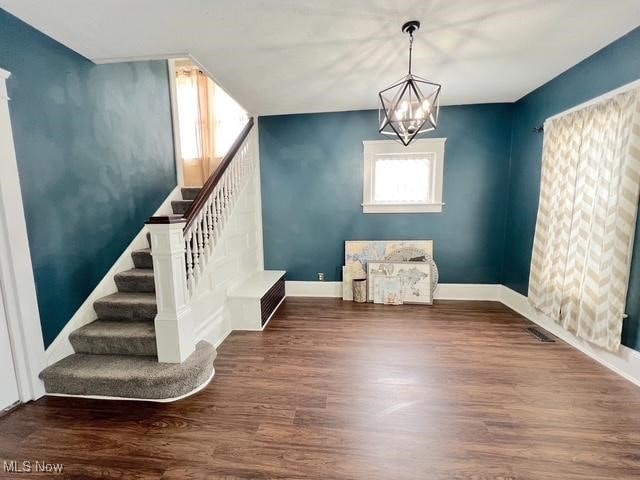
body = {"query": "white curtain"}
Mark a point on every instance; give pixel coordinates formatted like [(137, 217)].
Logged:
[(586, 218)]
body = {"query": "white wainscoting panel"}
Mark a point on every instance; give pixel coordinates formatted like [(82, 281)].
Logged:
[(237, 256)]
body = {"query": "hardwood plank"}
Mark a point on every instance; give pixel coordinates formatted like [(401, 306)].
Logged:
[(338, 390)]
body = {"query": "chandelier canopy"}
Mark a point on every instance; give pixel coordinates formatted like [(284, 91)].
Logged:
[(410, 106)]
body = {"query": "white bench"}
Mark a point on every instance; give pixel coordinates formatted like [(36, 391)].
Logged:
[(254, 302)]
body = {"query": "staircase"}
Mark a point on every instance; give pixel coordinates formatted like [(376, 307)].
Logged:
[(116, 355)]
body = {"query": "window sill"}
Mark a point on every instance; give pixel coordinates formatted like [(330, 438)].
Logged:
[(402, 207)]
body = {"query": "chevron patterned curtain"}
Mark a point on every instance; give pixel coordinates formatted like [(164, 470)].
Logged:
[(586, 218)]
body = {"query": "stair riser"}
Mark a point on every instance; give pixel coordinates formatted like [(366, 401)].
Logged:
[(190, 193), (121, 311), (180, 207), (109, 346), (135, 284), (142, 260)]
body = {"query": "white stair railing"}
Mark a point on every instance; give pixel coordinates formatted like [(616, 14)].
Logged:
[(182, 246)]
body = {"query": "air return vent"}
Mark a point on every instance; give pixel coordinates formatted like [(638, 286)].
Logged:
[(540, 334)]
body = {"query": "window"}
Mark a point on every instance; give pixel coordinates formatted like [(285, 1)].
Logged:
[(401, 179)]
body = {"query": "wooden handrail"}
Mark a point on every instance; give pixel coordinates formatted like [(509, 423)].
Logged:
[(207, 189)]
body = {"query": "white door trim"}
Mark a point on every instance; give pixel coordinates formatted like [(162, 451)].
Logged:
[(16, 273)]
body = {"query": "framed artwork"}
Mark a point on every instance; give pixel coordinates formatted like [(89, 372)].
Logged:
[(387, 289), (416, 280), (357, 253)]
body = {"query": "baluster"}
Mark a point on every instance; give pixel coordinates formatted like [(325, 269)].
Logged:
[(224, 200), (205, 224), (236, 191), (211, 233), (228, 202), (196, 256), (216, 214), (221, 210), (234, 181), (200, 229), (190, 279)]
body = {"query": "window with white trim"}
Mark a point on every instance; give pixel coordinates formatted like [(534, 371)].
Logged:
[(400, 179)]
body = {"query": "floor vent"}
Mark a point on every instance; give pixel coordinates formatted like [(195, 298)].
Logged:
[(540, 334)]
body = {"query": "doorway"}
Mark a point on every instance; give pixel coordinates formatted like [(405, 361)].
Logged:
[(206, 120)]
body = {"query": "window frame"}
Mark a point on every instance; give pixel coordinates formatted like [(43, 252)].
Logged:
[(431, 146)]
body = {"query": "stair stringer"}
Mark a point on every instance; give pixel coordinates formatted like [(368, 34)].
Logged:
[(61, 346), (237, 255)]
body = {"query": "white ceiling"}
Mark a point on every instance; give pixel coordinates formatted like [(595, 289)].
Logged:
[(289, 56)]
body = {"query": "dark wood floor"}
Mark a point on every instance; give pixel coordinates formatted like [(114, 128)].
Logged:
[(335, 390)]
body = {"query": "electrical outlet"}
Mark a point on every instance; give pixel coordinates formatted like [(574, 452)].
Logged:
[(321, 276)]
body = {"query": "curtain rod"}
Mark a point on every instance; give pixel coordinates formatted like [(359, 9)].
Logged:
[(598, 99), (593, 101)]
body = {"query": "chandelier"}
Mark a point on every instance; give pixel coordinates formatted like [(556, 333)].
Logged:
[(410, 106)]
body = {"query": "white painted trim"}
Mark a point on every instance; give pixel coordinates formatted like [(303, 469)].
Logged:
[(206, 329), (444, 291), (626, 362), (154, 400), (467, 291), (402, 207), (16, 271), (258, 181), (598, 99), (142, 58), (313, 289), (61, 347), (424, 146), (175, 119)]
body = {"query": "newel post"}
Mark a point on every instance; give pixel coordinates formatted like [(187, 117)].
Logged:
[(173, 322)]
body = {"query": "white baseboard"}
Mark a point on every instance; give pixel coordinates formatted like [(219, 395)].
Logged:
[(313, 289), (467, 291), (626, 362), (445, 291), (61, 347)]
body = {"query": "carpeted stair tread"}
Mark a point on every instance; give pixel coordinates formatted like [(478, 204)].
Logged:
[(180, 207), (130, 376), (115, 337), (190, 193), (136, 280), (142, 258), (126, 306)]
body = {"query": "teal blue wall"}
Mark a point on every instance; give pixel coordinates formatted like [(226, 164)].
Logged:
[(611, 67), (95, 156), (311, 167)]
